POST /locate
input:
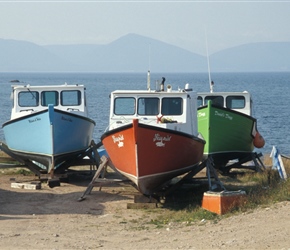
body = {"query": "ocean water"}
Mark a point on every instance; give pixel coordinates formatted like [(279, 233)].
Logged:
[(270, 93)]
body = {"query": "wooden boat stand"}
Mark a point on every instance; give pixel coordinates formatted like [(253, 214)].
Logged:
[(252, 157), (89, 156), (99, 178), (214, 182)]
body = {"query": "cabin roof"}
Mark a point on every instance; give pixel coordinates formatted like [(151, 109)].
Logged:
[(48, 87), (151, 92), (243, 93)]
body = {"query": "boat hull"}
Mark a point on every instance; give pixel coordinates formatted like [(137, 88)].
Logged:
[(48, 137), (150, 156), (228, 134)]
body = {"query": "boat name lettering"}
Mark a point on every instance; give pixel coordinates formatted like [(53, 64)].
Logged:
[(225, 115), (118, 139), (160, 138), (34, 120), (66, 119), (201, 114)]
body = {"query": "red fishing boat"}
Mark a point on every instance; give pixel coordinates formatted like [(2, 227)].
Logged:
[(153, 135)]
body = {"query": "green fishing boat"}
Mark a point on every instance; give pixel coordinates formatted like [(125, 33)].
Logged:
[(226, 123)]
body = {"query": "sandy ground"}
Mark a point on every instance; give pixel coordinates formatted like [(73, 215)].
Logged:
[(53, 218)]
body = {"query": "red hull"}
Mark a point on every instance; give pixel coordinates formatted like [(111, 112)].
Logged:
[(150, 156)]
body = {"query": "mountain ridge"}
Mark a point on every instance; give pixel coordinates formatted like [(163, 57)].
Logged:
[(137, 53)]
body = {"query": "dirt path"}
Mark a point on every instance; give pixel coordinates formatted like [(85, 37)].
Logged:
[(52, 218)]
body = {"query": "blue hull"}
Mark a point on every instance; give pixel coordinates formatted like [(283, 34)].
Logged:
[(48, 137)]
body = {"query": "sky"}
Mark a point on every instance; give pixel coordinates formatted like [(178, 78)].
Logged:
[(198, 26)]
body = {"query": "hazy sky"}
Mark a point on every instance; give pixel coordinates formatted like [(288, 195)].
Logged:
[(181, 23)]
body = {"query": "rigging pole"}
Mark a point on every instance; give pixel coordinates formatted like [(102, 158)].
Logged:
[(148, 73), (208, 65)]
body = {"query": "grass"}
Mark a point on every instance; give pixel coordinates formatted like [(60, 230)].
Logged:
[(5, 159), (262, 190)]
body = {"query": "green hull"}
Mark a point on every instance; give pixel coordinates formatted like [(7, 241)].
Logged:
[(228, 134)]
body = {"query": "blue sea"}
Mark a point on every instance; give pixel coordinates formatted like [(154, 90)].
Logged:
[(270, 93)]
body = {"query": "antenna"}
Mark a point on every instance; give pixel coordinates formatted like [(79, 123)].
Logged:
[(149, 57), (208, 65), (148, 80), (148, 73)]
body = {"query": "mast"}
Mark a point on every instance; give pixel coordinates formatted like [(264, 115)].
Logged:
[(148, 80), (211, 83), (148, 73)]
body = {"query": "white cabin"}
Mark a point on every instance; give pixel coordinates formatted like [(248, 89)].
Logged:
[(30, 99), (238, 101), (175, 110)]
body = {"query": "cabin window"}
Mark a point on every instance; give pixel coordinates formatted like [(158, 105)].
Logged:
[(28, 99), (171, 106), (148, 106), (71, 98), (199, 101), (124, 106), (49, 97), (235, 102), (216, 100)]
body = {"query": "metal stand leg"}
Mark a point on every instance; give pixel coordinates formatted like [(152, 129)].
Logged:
[(210, 170)]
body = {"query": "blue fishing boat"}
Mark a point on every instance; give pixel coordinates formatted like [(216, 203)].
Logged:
[(49, 124)]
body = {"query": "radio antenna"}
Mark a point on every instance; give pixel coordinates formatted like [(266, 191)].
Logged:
[(149, 66), (208, 65)]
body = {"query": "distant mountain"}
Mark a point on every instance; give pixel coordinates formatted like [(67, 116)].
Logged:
[(254, 57), (135, 53), (26, 56), (131, 53)]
